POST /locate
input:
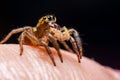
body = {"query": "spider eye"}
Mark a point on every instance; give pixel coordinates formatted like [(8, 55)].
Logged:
[(50, 18), (54, 18), (44, 18)]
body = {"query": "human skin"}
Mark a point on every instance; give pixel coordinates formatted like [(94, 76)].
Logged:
[(35, 64)]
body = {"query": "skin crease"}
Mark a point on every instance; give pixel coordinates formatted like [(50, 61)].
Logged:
[(35, 64)]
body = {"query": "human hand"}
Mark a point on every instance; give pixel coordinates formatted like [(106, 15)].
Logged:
[(35, 64)]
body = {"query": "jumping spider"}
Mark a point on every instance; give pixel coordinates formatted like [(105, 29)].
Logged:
[(47, 30)]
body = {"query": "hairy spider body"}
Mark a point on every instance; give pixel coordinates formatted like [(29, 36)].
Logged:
[(47, 30)]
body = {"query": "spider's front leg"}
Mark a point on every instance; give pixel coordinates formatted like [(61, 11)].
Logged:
[(56, 45), (14, 31), (49, 51), (77, 40), (27, 34)]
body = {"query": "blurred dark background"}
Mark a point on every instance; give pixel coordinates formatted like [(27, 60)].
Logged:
[(98, 22)]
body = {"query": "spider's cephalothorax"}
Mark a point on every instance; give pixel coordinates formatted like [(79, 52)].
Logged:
[(43, 26), (47, 30)]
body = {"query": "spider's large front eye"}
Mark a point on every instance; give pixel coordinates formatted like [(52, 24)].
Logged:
[(50, 18)]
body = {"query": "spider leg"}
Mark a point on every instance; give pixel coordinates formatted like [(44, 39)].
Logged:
[(28, 35), (78, 41), (56, 45), (14, 31), (49, 51), (66, 46), (73, 42), (21, 39)]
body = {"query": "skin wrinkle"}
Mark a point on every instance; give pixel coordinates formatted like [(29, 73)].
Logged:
[(21, 65), (35, 64)]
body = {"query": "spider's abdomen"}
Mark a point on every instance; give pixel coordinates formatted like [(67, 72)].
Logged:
[(60, 35)]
